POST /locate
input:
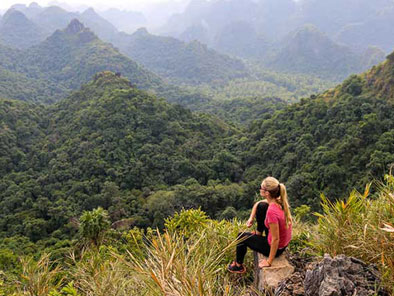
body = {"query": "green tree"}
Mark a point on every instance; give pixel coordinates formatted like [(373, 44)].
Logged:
[(93, 225)]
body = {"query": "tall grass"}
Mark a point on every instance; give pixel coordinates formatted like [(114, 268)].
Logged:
[(189, 258), (95, 274), (38, 278), (361, 226), (185, 263)]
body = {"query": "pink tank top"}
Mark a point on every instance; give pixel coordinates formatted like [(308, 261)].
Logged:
[(275, 215)]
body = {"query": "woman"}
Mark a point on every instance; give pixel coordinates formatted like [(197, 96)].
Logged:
[(274, 219)]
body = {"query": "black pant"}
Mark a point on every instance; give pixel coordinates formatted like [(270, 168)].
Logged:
[(257, 243)]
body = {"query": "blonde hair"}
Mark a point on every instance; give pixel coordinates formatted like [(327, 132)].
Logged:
[(278, 191)]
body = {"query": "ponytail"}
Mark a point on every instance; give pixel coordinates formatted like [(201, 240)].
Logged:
[(278, 191), (285, 204)]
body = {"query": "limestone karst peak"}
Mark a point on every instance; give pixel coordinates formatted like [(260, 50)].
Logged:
[(75, 27)]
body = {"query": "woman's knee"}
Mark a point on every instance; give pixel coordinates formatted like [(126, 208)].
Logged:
[(243, 235)]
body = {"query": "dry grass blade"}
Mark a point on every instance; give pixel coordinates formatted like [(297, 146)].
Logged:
[(39, 277)]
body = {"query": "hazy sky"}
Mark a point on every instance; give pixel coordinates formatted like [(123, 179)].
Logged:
[(99, 4)]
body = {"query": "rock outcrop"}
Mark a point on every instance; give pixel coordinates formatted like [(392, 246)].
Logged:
[(268, 278), (341, 276), (338, 276)]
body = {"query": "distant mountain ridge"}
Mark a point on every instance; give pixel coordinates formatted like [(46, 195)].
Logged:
[(18, 31), (307, 50), (180, 62), (274, 19), (69, 58), (255, 30), (191, 63)]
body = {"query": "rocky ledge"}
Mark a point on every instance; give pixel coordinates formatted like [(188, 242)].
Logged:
[(338, 276)]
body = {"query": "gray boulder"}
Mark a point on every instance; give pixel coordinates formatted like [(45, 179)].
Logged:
[(339, 276)]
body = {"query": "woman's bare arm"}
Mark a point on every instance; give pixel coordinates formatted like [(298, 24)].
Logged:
[(249, 223), (274, 230)]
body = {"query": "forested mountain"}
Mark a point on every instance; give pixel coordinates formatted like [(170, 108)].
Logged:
[(53, 18), (307, 50), (35, 23), (274, 19), (17, 84), (140, 158), (332, 142), (18, 31), (379, 80), (62, 63), (73, 55), (262, 24), (191, 63), (100, 147), (248, 29), (105, 30), (30, 11), (210, 15)]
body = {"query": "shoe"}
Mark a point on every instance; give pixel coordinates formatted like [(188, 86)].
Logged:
[(234, 268)]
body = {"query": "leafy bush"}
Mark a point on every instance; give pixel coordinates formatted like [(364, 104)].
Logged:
[(93, 225), (187, 223)]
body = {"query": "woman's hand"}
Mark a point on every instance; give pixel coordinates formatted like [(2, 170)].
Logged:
[(264, 263), (249, 223)]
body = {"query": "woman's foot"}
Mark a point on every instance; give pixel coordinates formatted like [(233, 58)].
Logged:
[(236, 268)]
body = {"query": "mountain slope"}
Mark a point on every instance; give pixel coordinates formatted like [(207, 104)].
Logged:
[(380, 79), (15, 82), (64, 61), (72, 56), (307, 50), (53, 18), (331, 143), (100, 26), (101, 146), (191, 63), (331, 16), (16, 30)]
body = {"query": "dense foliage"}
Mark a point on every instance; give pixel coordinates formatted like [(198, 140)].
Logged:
[(107, 145), (328, 143), (110, 145)]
